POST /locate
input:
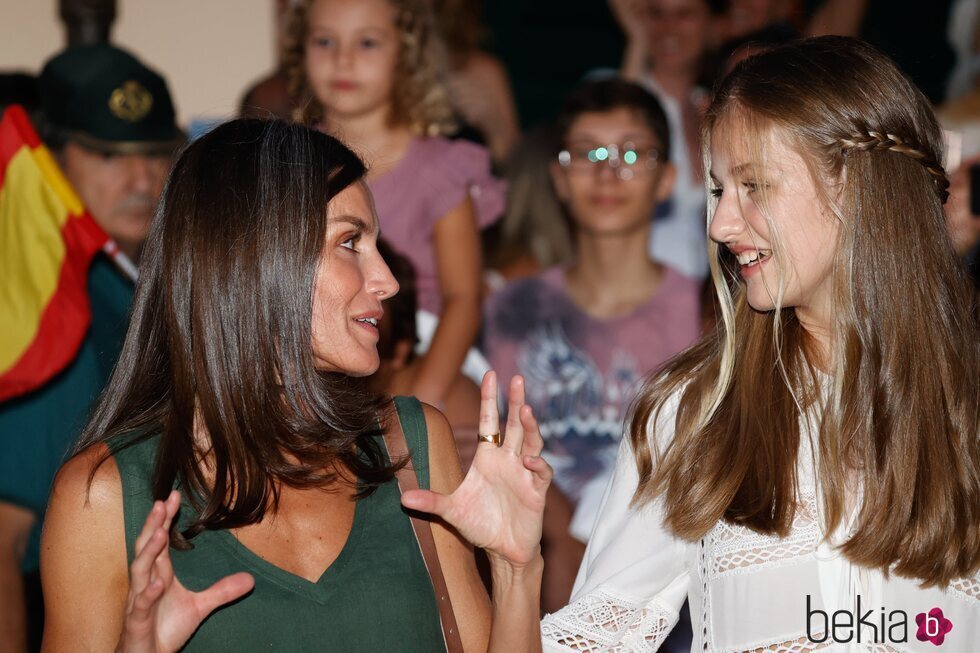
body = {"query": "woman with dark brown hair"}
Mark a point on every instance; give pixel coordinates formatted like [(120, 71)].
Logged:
[(236, 486)]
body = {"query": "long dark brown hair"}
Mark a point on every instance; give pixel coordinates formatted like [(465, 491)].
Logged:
[(898, 411), (220, 337)]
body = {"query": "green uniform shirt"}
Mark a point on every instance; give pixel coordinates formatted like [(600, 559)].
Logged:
[(38, 429), (376, 596)]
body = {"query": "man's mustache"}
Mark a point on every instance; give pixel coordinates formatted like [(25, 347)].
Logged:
[(136, 202)]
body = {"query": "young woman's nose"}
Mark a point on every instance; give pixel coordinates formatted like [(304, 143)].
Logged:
[(727, 223)]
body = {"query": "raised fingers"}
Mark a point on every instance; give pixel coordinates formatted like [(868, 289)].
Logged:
[(171, 505), (154, 520), (140, 571), (540, 468), (143, 606), (514, 432), (489, 418), (533, 442), (227, 589), (162, 567), (428, 502)]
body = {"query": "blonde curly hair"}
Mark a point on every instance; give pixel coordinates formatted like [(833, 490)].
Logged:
[(420, 96)]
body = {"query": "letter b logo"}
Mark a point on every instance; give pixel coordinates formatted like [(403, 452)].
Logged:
[(933, 626)]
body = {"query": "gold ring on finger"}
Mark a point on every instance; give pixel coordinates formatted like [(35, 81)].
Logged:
[(493, 438)]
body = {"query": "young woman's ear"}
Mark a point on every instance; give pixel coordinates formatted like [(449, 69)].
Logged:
[(560, 181), (665, 184)]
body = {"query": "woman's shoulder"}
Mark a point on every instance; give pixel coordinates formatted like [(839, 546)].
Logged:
[(100, 472), (428, 433), (85, 505), (94, 478), (89, 477), (83, 554)]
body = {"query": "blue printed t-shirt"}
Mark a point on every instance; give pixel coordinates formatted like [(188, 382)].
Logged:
[(581, 372)]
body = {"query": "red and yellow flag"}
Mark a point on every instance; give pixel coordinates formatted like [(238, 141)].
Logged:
[(47, 242)]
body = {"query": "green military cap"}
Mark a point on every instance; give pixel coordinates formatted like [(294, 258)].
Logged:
[(105, 99)]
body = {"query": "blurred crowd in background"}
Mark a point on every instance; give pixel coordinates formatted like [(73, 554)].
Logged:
[(536, 169)]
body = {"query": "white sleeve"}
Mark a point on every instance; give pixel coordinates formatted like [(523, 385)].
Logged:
[(633, 579)]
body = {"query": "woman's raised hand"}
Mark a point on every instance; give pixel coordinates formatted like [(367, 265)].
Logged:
[(500, 503), (161, 614)]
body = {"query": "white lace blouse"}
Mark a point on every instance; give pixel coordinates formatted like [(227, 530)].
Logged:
[(747, 592)]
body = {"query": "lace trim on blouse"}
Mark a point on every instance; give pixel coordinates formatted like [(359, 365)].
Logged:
[(600, 622), (967, 589), (737, 549)]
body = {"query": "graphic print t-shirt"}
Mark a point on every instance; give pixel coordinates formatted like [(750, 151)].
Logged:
[(582, 372)]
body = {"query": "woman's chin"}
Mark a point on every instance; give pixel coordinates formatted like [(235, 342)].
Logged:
[(760, 304), (354, 370), (367, 369)]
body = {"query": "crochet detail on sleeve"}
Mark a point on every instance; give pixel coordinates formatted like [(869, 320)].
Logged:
[(601, 622), (967, 588)]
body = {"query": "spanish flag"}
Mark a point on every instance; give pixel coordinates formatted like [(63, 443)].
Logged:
[(47, 242)]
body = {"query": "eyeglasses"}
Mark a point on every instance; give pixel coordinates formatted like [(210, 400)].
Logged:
[(628, 160)]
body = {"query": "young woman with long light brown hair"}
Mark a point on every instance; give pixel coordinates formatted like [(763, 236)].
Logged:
[(809, 475)]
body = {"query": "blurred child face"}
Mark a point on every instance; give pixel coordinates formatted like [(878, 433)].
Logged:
[(678, 33), (351, 281), (606, 199), (806, 229), (351, 52)]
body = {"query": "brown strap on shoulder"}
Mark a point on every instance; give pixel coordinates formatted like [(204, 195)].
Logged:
[(398, 450)]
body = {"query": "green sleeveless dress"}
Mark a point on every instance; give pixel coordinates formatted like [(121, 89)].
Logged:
[(376, 596)]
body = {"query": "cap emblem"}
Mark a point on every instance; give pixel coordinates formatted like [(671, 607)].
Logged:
[(130, 102)]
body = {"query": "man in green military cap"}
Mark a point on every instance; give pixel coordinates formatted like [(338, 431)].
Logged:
[(109, 121)]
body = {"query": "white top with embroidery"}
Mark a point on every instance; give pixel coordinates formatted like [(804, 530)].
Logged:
[(747, 592)]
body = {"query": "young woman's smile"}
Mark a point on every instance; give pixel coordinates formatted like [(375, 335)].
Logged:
[(772, 218)]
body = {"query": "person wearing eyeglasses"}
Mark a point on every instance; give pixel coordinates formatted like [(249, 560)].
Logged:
[(585, 334)]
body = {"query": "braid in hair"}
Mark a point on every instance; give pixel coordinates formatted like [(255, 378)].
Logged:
[(873, 140)]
